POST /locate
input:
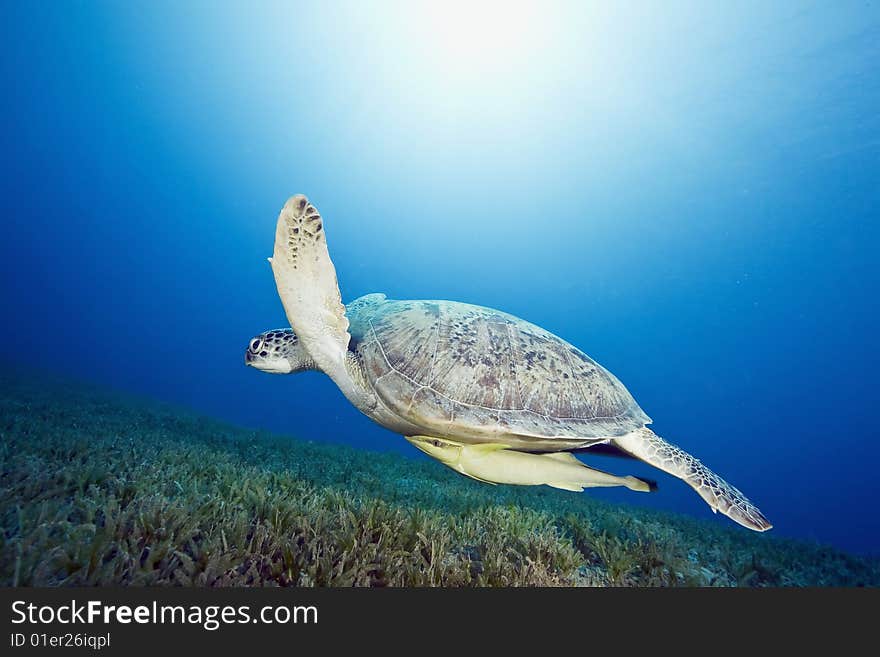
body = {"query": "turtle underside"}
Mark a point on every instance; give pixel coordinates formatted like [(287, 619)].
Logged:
[(480, 375)]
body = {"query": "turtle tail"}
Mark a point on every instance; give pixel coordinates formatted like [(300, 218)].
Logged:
[(644, 444)]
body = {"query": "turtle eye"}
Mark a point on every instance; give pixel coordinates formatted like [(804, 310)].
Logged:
[(256, 343), (436, 443)]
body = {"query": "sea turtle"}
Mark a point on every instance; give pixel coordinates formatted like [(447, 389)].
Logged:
[(486, 393)]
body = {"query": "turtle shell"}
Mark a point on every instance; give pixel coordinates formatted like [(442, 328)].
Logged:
[(478, 374)]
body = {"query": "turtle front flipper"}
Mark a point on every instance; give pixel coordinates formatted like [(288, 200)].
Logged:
[(644, 444), (309, 291)]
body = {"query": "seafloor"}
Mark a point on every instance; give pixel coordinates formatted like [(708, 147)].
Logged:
[(98, 488)]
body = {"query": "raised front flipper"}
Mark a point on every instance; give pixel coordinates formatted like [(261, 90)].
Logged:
[(306, 280)]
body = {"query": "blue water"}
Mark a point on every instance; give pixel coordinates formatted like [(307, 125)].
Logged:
[(688, 193)]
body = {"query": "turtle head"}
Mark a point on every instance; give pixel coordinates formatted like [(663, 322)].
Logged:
[(278, 352), (445, 451)]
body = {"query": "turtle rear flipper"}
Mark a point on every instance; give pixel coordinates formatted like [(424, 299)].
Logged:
[(718, 494)]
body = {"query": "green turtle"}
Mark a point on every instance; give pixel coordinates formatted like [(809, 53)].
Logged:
[(490, 395)]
